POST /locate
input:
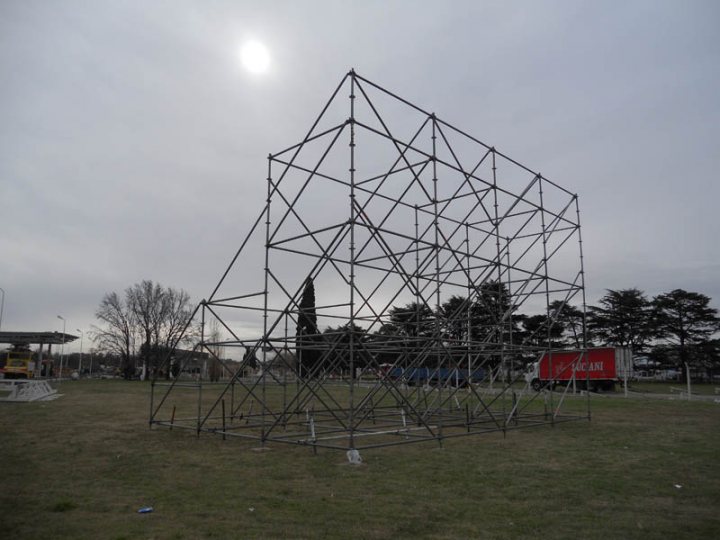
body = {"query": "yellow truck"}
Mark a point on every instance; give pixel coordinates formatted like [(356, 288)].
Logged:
[(19, 363)]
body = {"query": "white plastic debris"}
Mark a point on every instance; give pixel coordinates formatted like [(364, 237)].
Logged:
[(26, 390), (354, 457), (678, 486), (252, 508)]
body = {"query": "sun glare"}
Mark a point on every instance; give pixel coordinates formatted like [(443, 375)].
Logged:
[(255, 57)]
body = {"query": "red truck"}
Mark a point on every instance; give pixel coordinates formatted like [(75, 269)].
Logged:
[(599, 368)]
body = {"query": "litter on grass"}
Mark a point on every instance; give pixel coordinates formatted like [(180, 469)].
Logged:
[(354, 457)]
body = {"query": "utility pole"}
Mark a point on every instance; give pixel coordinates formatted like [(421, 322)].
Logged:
[(2, 305), (62, 350), (82, 335)]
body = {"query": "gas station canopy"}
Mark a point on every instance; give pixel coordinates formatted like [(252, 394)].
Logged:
[(39, 338)]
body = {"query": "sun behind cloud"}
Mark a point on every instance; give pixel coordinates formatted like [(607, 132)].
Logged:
[(255, 57)]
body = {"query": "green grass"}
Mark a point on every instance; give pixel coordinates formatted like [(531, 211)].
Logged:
[(82, 465), (674, 387)]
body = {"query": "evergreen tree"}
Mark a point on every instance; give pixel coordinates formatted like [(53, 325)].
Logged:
[(405, 334), (706, 355), (250, 359), (338, 342), (415, 319), (454, 316), (540, 331), (623, 319), (306, 333), (485, 322), (686, 321), (492, 313), (569, 320)]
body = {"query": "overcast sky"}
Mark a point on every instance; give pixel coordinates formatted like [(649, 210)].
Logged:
[(133, 143)]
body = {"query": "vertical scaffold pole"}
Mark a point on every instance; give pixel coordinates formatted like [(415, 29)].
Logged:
[(547, 294), (223, 419), (264, 342), (200, 374), (408, 360), (152, 399), (498, 262), (468, 331), (436, 332), (353, 215), (496, 232), (232, 399), (584, 305), (509, 295)]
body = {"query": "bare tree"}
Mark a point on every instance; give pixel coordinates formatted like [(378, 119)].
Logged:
[(145, 300), (176, 314), (214, 337), (150, 314), (117, 335)]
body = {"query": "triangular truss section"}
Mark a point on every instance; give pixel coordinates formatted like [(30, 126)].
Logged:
[(374, 300)]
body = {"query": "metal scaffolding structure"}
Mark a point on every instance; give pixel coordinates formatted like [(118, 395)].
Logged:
[(377, 294)]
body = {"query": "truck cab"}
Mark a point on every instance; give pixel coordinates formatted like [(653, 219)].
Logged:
[(532, 376), (18, 363)]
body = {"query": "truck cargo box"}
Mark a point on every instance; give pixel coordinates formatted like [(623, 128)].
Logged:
[(600, 363), (602, 367)]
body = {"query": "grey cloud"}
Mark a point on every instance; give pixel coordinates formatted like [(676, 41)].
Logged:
[(133, 146)]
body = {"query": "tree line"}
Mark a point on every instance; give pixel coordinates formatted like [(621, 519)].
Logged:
[(671, 329)]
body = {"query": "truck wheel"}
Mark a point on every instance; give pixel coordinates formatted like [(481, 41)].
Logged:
[(536, 385)]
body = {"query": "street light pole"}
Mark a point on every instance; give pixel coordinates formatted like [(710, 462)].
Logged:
[(62, 350), (2, 305), (82, 334)]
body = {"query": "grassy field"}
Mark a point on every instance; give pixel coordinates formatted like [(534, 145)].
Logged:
[(653, 387), (82, 465)]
